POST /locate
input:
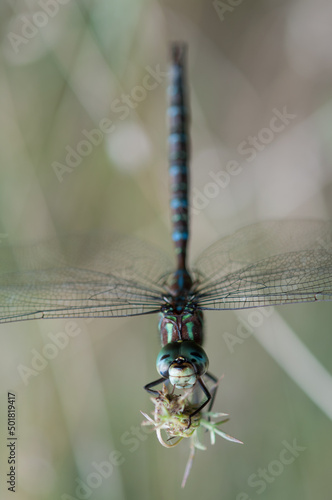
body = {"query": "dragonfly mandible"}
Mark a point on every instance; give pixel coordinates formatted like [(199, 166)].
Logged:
[(98, 276)]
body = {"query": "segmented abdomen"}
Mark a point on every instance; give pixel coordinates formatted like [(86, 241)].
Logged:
[(178, 153)]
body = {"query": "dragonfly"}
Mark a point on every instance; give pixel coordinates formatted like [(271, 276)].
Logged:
[(107, 275)]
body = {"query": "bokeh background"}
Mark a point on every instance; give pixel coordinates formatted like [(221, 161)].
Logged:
[(64, 67)]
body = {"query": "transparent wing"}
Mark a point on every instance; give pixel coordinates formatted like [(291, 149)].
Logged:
[(83, 276), (269, 263)]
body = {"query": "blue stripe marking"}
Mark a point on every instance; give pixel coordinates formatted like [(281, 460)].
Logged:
[(179, 218), (180, 278), (178, 155), (177, 169), (173, 90), (176, 71), (178, 235), (175, 110), (177, 138), (178, 203), (180, 188)]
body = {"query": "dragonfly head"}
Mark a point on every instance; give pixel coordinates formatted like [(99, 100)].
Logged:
[(182, 362)]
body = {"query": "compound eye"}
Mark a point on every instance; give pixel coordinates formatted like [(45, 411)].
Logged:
[(197, 355), (165, 358)]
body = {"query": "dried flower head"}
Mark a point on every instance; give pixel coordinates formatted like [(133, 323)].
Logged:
[(173, 415)]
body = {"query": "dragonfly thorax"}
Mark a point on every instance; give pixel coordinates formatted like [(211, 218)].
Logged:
[(182, 362), (179, 322)]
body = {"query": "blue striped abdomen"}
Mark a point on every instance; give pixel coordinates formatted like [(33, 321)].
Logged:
[(178, 154)]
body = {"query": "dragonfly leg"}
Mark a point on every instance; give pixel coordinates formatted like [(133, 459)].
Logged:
[(207, 394), (147, 387), (214, 389)]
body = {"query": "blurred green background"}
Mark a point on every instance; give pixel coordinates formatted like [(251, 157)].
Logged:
[(65, 65)]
